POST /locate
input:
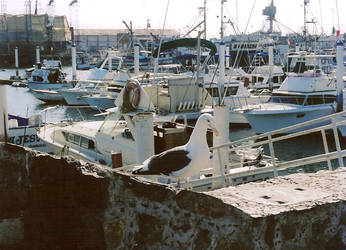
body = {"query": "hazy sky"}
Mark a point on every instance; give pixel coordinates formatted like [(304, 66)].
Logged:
[(184, 13)]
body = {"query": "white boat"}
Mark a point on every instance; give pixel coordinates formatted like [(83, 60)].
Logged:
[(84, 61), (23, 131), (73, 96), (48, 76), (265, 77), (104, 99), (302, 97), (96, 140), (48, 95)]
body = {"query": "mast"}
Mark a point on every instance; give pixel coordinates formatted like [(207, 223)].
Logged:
[(36, 7), (221, 18), (205, 18)]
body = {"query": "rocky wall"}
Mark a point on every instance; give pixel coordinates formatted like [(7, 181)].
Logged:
[(52, 203)]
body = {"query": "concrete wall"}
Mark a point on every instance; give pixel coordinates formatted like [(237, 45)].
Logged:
[(52, 203)]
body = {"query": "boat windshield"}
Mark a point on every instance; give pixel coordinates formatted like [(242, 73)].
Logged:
[(290, 99), (320, 99), (230, 91), (110, 124)]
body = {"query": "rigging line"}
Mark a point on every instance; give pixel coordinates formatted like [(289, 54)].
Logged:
[(235, 27), (158, 56), (247, 24), (321, 16), (288, 28)]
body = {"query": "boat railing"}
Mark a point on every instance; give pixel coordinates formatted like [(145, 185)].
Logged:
[(236, 102), (335, 122), (222, 172)]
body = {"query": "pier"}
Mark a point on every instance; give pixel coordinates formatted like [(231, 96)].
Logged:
[(48, 202)]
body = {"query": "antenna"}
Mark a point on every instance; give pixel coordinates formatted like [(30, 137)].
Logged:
[(3, 7), (28, 19), (221, 18), (270, 12), (74, 17)]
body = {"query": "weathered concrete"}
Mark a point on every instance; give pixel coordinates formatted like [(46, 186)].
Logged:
[(52, 203)]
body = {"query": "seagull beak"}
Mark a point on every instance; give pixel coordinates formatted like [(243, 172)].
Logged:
[(215, 131)]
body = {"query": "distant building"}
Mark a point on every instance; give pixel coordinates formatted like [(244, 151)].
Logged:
[(19, 30), (100, 39)]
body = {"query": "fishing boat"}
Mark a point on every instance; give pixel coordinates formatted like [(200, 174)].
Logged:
[(96, 141), (303, 96), (23, 131), (48, 95), (48, 76)]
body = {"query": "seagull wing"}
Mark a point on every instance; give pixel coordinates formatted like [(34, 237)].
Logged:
[(165, 163)]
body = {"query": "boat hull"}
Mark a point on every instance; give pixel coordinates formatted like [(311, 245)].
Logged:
[(26, 136), (101, 103), (48, 95), (73, 98), (265, 121), (48, 86)]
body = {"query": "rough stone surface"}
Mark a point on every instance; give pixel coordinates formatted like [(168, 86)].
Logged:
[(52, 203)]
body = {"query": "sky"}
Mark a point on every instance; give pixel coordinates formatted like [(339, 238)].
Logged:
[(182, 14)]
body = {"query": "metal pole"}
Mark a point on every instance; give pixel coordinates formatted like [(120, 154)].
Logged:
[(198, 66), (144, 136), (3, 113), (16, 60), (339, 74), (37, 54), (205, 19), (136, 58), (221, 71), (109, 59), (221, 18), (227, 57), (74, 63), (271, 54), (220, 159)]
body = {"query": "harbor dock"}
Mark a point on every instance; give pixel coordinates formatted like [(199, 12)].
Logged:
[(48, 202)]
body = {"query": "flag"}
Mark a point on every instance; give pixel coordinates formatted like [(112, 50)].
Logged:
[(337, 33), (333, 31)]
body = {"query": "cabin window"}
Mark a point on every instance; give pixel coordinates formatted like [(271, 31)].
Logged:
[(75, 139), (84, 142), (37, 78), (91, 144), (231, 91), (298, 100), (319, 99), (213, 92)]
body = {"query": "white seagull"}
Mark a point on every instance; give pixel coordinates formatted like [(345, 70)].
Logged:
[(186, 160)]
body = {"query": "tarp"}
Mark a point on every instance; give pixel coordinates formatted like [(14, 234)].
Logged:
[(185, 42)]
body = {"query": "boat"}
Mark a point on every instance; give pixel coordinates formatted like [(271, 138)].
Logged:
[(23, 131), (73, 96), (48, 76), (96, 141), (302, 96), (84, 61), (47, 95), (266, 77), (104, 99)]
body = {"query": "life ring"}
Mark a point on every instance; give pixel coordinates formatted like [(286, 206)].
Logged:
[(131, 85)]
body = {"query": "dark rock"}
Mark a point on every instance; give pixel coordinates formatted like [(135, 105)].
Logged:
[(202, 240), (270, 231), (150, 230), (289, 231), (201, 204)]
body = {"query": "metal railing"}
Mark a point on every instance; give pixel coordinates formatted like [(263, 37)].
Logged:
[(236, 173)]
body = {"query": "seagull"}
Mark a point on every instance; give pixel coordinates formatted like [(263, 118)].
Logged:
[(186, 160)]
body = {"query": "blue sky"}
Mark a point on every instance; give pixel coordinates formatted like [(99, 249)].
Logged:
[(184, 13)]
